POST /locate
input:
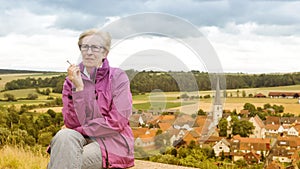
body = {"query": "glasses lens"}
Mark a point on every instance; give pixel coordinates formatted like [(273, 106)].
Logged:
[(94, 48), (84, 47)]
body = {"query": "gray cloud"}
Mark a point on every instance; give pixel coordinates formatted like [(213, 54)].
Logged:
[(79, 15)]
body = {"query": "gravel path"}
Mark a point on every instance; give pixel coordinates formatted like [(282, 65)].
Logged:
[(139, 164)]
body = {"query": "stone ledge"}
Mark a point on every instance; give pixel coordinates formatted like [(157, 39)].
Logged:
[(140, 164)]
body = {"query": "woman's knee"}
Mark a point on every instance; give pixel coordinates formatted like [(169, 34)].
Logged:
[(67, 135)]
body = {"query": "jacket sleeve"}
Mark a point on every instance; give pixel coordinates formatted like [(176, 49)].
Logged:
[(68, 111), (119, 112)]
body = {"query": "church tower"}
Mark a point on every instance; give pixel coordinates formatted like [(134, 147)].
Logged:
[(217, 107)]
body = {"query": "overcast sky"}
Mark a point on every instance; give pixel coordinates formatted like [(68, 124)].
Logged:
[(254, 36)]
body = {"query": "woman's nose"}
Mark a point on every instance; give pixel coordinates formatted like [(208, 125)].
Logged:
[(89, 51)]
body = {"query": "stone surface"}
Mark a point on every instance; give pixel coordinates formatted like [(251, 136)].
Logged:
[(139, 164)]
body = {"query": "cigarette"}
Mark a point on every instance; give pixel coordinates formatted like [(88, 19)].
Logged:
[(69, 62)]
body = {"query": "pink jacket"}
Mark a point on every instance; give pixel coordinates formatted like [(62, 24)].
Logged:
[(102, 111)]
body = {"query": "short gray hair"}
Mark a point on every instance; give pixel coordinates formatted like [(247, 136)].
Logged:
[(104, 35)]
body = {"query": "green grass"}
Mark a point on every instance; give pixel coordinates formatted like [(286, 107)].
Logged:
[(20, 93), (9, 77), (147, 97), (159, 105), (23, 93)]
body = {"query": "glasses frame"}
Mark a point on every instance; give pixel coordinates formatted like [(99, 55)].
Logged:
[(94, 48)]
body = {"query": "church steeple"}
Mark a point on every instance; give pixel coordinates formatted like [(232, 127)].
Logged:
[(218, 108), (218, 93)]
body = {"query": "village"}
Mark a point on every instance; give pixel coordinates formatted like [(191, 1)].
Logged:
[(274, 141)]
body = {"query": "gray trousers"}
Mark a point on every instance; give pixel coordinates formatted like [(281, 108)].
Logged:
[(70, 150)]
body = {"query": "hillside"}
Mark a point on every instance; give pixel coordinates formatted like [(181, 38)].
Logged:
[(19, 158), (12, 71)]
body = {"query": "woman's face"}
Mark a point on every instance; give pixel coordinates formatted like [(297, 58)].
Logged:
[(93, 51)]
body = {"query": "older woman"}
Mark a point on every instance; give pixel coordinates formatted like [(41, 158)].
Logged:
[(97, 105)]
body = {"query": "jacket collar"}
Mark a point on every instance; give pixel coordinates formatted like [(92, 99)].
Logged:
[(97, 73)]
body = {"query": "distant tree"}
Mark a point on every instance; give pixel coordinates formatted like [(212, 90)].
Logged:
[(278, 109), (244, 93), (267, 106), (206, 96), (32, 96), (43, 121), (47, 91), (223, 127), (51, 113), (4, 135), (184, 96), (262, 156), (201, 113), (9, 97), (222, 155), (250, 107), (288, 115), (242, 127), (213, 154), (174, 152), (45, 138)]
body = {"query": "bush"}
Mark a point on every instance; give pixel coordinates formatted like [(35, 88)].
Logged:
[(10, 97), (45, 138), (32, 96)]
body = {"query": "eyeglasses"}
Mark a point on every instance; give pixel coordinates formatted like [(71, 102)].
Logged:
[(94, 48)]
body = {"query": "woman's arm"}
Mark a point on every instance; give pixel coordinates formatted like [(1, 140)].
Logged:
[(119, 114)]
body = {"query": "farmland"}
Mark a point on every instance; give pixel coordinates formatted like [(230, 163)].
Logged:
[(38, 117), (163, 100)]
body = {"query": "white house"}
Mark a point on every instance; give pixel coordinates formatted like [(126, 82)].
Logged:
[(221, 146), (259, 127), (176, 135), (292, 132)]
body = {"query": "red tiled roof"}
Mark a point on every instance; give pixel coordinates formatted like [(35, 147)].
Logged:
[(252, 143), (272, 119), (292, 141), (200, 121), (259, 95), (138, 131), (164, 126), (272, 127), (284, 93)]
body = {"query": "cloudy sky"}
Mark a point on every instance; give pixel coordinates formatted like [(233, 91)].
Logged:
[(249, 36)]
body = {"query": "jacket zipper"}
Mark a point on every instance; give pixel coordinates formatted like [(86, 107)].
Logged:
[(126, 143), (106, 160)]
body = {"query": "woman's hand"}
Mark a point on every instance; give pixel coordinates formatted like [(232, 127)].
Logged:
[(75, 76)]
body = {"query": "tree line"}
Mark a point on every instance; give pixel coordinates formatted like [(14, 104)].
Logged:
[(195, 80), (146, 81), (20, 127), (55, 83)]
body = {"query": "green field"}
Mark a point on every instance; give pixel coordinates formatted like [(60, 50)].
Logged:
[(166, 100), (159, 105), (9, 77)]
